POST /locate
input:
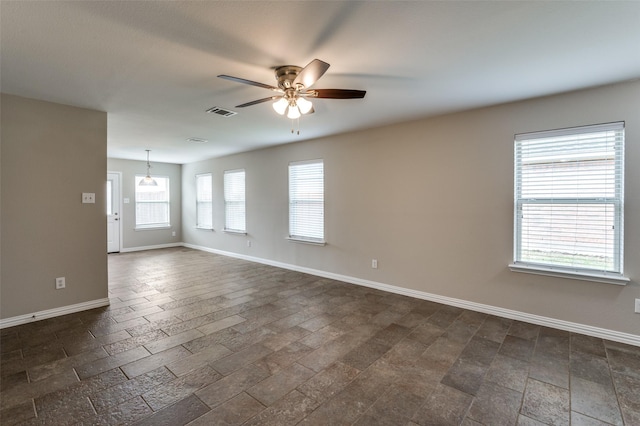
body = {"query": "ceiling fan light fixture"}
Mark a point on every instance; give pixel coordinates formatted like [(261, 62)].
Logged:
[(280, 106), (304, 105)]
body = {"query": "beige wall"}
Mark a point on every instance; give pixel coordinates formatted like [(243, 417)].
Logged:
[(51, 154), (432, 200), (132, 239)]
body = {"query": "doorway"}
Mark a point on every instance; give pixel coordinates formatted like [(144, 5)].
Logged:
[(114, 227)]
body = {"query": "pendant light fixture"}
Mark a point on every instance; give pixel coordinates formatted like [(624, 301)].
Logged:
[(148, 180)]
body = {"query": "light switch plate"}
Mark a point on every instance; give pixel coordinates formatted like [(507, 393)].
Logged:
[(88, 198), (60, 283)]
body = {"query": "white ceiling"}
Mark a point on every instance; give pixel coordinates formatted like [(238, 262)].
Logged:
[(152, 65)]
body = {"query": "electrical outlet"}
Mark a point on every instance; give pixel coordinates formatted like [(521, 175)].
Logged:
[(88, 198), (60, 283), (637, 306), (173, 233), (374, 263), (248, 243)]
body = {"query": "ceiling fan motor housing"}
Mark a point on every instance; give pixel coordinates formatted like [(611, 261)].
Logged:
[(286, 74)]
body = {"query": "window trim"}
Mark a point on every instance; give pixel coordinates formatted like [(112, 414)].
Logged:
[(587, 274), (150, 227), (206, 228), (301, 238), (306, 241)]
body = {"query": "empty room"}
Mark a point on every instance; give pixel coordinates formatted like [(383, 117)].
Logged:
[(320, 213)]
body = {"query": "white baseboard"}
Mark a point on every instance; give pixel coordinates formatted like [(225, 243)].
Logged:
[(603, 333), (154, 247), (50, 313)]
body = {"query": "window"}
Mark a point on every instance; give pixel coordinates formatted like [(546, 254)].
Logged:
[(152, 203), (569, 202), (306, 201), (234, 201), (204, 201), (109, 197)]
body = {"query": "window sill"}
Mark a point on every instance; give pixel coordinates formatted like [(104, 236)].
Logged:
[(204, 229), (303, 241), (601, 277), (152, 228), (234, 232)]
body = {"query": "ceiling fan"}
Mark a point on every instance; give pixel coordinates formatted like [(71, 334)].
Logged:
[(293, 90)]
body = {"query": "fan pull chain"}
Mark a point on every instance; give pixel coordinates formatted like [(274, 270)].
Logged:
[(292, 126)]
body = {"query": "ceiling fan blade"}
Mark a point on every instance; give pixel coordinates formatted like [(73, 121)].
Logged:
[(244, 81), (259, 101), (311, 73), (339, 93)]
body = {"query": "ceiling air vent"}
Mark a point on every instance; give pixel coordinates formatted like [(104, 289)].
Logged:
[(221, 111), (197, 140)]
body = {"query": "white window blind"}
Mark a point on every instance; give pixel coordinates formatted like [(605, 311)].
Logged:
[(306, 201), (569, 199), (204, 201), (152, 203), (234, 201)]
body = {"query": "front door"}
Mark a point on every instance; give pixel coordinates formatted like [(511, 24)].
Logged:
[(113, 212)]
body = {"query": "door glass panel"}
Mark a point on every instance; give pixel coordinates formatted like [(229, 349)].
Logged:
[(109, 197)]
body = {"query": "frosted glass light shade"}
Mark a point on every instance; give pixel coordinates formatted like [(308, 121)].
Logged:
[(148, 181), (294, 112), (304, 105), (280, 106)]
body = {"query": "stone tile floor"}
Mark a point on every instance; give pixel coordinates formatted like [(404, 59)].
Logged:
[(200, 339)]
